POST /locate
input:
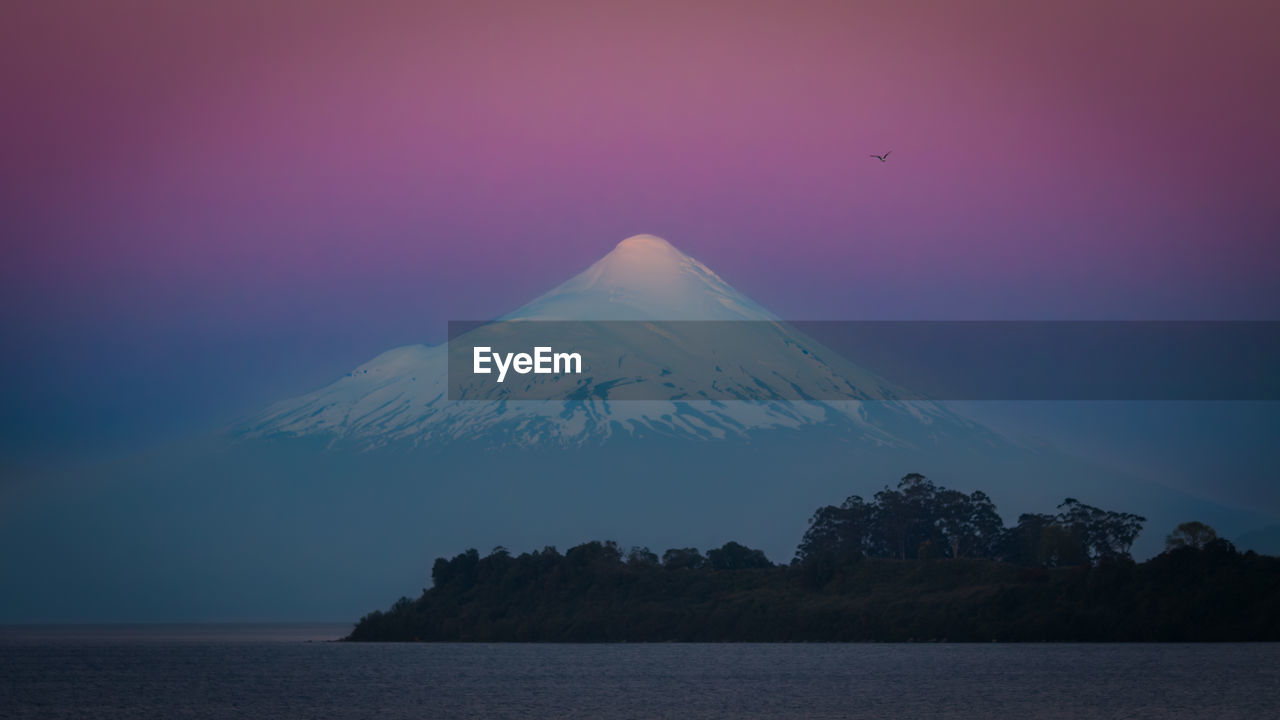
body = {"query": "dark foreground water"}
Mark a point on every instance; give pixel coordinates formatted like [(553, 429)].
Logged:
[(274, 672)]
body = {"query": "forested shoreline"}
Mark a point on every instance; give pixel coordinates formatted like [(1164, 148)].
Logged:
[(918, 562)]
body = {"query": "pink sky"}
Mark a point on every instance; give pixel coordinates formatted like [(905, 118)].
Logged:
[(408, 163)]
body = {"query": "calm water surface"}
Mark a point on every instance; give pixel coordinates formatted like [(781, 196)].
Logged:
[(274, 672)]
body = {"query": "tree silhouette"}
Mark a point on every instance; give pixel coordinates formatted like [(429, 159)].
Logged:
[(843, 532), (733, 556), (683, 559), (641, 556), (1193, 534)]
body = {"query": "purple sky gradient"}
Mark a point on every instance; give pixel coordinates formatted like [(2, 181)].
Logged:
[(279, 190)]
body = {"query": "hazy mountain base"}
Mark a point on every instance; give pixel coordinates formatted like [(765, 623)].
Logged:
[(1214, 594), (300, 530)]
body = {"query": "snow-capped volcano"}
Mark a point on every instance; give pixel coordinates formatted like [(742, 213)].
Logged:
[(401, 396), (644, 278)]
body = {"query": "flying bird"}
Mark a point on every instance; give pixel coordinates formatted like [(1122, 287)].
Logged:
[(882, 157)]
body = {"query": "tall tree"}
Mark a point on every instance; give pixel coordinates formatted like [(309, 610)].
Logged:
[(905, 518), (955, 520), (1193, 534), (1101, 533), (893, 520), (838, 533), (988, 526)]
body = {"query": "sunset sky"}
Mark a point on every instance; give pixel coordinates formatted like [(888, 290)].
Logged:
[(210, 206)]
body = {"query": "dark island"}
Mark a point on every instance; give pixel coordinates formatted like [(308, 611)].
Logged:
[(917, 563)]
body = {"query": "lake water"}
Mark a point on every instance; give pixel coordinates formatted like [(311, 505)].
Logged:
[(283, 672)]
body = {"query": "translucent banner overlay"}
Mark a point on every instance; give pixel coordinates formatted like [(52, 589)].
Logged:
[(838, 360)]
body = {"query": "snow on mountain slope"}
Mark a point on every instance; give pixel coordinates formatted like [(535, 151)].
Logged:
[(644, 278), (400, 396)]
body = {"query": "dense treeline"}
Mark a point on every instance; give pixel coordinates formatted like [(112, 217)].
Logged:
[(919, 562), (920, 520)]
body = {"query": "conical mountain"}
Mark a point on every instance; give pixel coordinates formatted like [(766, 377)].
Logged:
[(644, 278), (401, 396)]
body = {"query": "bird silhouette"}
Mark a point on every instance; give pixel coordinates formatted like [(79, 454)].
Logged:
[(882, 157)]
